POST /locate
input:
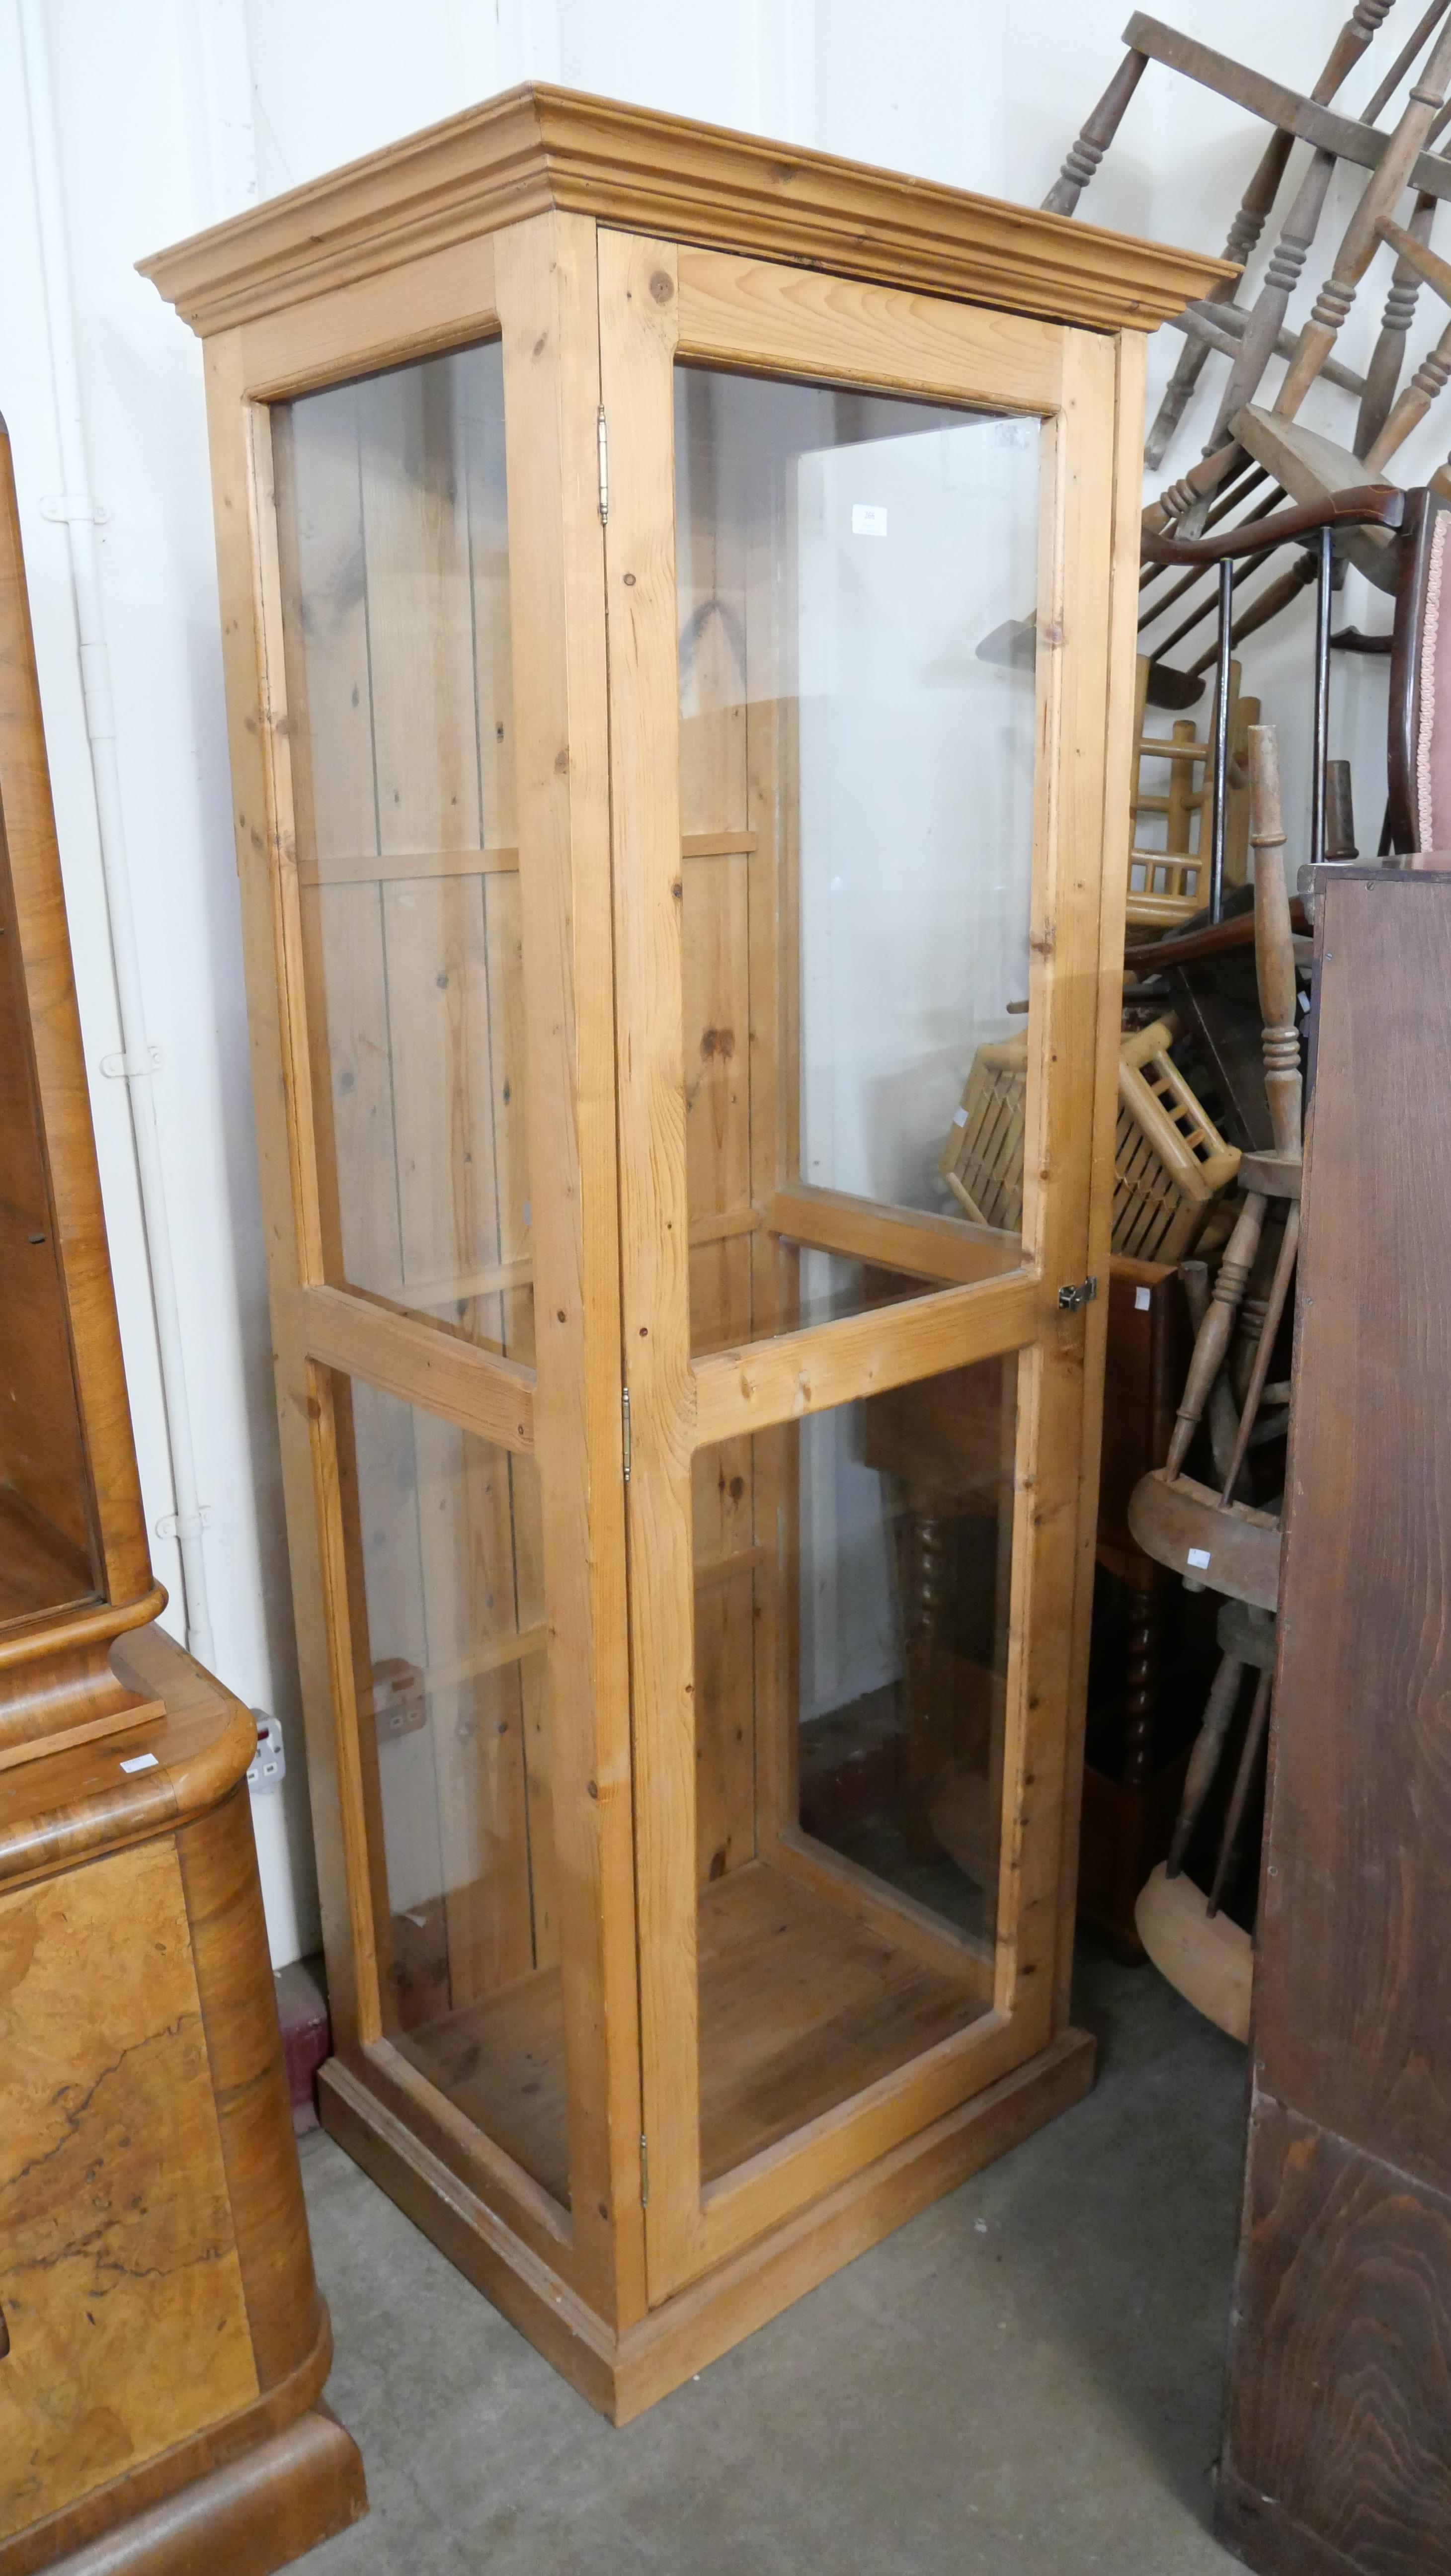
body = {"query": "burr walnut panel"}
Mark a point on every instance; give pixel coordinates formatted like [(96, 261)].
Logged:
[(118, 2264)]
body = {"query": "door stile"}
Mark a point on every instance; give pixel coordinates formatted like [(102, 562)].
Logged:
[(344, 1617), (548, 304), (1068, 997), (230, 421), (1120, 727), (637, 325)]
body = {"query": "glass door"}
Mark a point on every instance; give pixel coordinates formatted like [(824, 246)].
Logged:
[(858, 635)]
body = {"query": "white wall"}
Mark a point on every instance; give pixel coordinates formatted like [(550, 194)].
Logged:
[(175, 112)]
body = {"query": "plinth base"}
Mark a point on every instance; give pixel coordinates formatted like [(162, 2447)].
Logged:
[(624, 2373), (254, 2514)]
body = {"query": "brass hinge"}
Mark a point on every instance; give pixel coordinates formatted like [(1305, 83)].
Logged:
[(604, 446), (625, 1429), (644, 2173), (1070, 1299)]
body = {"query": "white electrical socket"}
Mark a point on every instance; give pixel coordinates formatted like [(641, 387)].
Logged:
[(269, 1769)]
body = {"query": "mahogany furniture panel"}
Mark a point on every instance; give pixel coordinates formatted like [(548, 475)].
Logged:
[(1148, 1658), (1338, 2430), (595, 498)]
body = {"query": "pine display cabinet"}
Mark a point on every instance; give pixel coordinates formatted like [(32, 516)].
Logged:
[(678, 597)]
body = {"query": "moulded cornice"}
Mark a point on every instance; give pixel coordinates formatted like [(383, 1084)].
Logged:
[(538, 147)]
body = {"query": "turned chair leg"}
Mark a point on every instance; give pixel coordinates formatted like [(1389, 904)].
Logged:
[(1275, 969), (1211, 1342), (1249, 1762), (1097, 134), (1223, 1420), (1205, 1759)]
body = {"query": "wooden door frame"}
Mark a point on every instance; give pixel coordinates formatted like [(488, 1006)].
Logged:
[(660, 301), (534, 286)]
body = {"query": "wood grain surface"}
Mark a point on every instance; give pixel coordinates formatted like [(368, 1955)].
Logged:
[(218, 1863), (1355, 1977), (108, 1510), (118, 2258), (538, 147), (1339, 2401), (248, 2515), (79, 1801), (1341, 2389)]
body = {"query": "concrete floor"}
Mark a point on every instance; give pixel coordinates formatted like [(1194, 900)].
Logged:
[(1026, 2378)]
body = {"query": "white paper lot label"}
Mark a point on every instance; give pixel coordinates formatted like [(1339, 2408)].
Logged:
[(868, 519), (1199, 1558)]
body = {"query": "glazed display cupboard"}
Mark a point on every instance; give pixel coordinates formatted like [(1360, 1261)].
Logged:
[(633, 542)]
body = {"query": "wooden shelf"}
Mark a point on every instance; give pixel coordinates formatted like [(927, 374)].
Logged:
[(802, 2005)]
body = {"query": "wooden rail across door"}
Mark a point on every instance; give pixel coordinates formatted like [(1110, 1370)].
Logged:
[(771, 1279)]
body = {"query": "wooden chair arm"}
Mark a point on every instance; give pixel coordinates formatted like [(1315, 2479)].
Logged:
[(1366, 505), (1186, 947)]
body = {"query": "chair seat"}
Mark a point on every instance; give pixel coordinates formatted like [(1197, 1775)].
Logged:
[(1223, 1547)]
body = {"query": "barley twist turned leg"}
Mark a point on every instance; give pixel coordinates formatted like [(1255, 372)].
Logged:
[(1141, 1705), (928, 1587)]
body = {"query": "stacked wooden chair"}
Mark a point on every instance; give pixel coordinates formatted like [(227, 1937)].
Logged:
[(1206, 1533), (1168, 882), (1259, 448), (1211, 1534)]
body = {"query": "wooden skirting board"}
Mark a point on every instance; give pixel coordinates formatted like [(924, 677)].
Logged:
[(623, 2374), (255, 2513)]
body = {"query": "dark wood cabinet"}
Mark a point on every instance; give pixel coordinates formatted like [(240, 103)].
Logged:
[(1337, 2454), (1152, 1646)]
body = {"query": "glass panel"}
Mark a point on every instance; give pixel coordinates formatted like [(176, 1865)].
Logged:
[(809, 1288), (745, 1292), (393, 544), (857, 737), (447, 1608), (851, 1639), (48, 1556)]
